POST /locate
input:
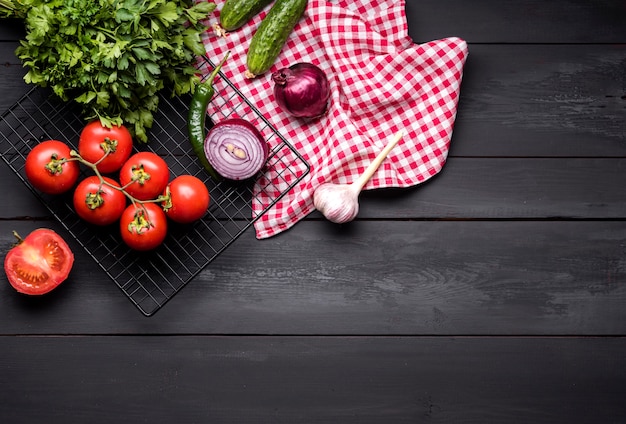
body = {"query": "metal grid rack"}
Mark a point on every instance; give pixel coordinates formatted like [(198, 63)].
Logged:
[(150, 279)]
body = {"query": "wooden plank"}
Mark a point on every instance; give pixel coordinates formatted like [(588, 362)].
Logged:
[(23, 202), (312, 379), (520, 21), (508, 188), (12, 85), (7, 54), (466, 188), (546, 100), (15, 92), (373, 277), (11, 29), (490, 21)]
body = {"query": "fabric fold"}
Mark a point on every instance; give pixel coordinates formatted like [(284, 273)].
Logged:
[(381, 83)]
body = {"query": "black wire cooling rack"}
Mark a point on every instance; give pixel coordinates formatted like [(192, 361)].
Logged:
[(150, 279)]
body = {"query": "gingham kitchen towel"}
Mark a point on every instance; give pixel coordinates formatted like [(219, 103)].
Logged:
[(381, 81)]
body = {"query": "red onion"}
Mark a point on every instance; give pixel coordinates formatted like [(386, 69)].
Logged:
[(236, 149), (302, 90)]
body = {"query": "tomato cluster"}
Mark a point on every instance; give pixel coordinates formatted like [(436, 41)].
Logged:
[(132, 189)]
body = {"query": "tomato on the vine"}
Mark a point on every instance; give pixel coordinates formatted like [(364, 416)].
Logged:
[(143, 226), (187, 199), (96, 141), (144, 175), (39, 263), (50, 169), (99, 203)]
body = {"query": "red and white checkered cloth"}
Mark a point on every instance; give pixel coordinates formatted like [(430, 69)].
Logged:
[(381, 81)]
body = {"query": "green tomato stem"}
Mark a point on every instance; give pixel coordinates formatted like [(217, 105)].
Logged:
[(75, 156)]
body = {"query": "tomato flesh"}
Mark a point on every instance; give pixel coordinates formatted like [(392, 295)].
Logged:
[(39, 263)]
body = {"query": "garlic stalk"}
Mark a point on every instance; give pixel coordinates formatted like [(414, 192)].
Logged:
[(339, 203)]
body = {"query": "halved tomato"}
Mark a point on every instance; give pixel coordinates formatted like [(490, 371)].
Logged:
[(39, 262)]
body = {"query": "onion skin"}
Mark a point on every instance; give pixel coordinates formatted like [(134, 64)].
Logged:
[(302, 90), (236, 149)]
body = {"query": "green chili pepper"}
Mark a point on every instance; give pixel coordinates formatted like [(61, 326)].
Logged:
[(197, 117)]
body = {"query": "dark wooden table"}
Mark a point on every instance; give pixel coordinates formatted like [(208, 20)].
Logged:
[(494, 293)]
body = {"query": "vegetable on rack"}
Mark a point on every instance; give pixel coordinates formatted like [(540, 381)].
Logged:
[(107, 148), (53, 168), (112, 57), (269, 39), (236, 149), (99, 201), (186, 199), (144, 175), (302, 90), (196, 120), (236, 13), (143, 227), (339, 203), (50, 169)]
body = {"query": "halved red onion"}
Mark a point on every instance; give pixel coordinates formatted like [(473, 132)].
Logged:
[(236, 149)]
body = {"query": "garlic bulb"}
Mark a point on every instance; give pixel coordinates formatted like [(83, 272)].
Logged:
[(339, 203)]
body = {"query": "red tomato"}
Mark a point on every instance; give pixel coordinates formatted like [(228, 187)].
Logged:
[(48, 169), (187, 199), (96, 140), (99, 203), (145, 175), (143, 226), (39, 263)]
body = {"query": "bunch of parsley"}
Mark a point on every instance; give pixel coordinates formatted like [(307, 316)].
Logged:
[(112, 56)]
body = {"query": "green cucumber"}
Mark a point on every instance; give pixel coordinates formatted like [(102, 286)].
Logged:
[(236, 13), (269, 39)]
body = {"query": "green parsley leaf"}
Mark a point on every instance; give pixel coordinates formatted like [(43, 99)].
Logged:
[(113, 56)]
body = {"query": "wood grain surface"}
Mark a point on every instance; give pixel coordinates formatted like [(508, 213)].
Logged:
[(493, 293), (312, 379)]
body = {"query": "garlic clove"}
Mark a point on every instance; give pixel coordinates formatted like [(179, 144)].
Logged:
[(337, 202)]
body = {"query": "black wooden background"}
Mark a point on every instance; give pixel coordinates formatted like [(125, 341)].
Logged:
[(493, 293)]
